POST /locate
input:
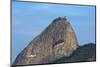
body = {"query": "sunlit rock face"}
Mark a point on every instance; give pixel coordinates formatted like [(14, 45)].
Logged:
[(56, 41)]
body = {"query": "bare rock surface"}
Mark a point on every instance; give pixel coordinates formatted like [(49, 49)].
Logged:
[(56, 41)]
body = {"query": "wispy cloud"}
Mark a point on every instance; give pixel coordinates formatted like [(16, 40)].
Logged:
[(29, 19)]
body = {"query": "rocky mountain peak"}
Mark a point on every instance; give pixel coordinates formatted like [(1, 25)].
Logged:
[(56, 41), (60, 19)]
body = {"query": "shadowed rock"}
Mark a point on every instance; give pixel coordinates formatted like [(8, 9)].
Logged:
[(56, 41), (85, 53)]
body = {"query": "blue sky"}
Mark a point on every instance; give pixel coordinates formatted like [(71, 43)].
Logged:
[(29, 19)]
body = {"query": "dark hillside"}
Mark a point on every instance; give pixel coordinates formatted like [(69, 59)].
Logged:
[(82, 54)]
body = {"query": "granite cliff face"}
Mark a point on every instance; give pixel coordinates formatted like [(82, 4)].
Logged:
[(85, 53), (56, 41)]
